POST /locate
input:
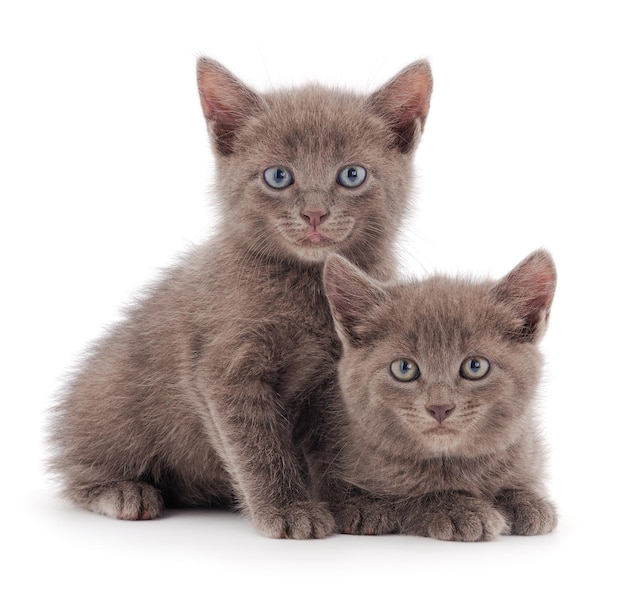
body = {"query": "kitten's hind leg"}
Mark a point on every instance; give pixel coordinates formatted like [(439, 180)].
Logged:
[(123, 499)]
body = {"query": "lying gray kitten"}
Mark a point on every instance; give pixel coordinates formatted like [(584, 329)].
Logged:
[(201, 395), (439, 380)]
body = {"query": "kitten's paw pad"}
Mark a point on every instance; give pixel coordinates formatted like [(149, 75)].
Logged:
[(362, 517), (127, 500), (299, 521), (528, 513)]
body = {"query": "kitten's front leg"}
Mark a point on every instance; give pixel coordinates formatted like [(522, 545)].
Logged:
[(360, 513), (527, 513), (452, 516), (321, 434), (257, 445)]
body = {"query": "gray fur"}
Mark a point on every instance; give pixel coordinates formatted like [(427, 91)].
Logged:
[(201, 395), (477, 472)]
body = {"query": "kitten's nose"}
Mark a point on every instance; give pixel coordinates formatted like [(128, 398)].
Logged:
[(440, 412), (314, 217)]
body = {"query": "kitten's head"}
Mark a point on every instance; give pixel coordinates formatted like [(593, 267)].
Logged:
[(306, 172), (443, 366)]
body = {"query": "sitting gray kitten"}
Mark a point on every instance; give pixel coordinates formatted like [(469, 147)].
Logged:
[(201, 396), (439, 380)]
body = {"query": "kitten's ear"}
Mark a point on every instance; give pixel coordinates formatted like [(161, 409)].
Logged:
[(226, 102), (353, 296), (404, 103), (529, 289)]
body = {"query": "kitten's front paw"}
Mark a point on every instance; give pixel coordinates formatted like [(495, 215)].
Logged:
[(455, 516), (365, 515), (528, 513), (299, 521)]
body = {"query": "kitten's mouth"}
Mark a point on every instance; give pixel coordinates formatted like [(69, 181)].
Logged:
[(439, 429), (315, 238)]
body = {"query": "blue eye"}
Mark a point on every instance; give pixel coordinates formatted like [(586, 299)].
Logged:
[(278, 177), (475, 368), (351, 176), (404, 370)]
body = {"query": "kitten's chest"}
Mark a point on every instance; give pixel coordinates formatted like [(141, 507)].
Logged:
[(311, 350), (295, 329), (400, 475)]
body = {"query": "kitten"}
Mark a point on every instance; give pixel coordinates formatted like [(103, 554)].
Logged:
[(200, 396), (439, 380)]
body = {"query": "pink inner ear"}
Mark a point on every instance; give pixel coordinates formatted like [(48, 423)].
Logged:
[(218, 101), (219, 111), (529, 290), (352, 296), (226, 102), (404, 103), (411, 96), (544, 286)]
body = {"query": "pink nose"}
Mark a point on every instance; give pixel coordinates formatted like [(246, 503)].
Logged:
[(440, 412), (314, 217)]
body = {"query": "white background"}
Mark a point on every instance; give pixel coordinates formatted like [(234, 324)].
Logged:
[(104, 175)]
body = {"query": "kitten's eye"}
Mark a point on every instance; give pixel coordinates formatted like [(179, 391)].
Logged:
[(475, 368), (352, 176), (404, 370), (278, 177)]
